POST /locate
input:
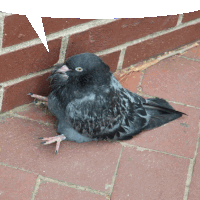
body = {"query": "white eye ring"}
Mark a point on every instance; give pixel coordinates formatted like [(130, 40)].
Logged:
[(79, 69)]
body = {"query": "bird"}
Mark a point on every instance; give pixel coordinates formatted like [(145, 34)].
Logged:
[(91, 105)]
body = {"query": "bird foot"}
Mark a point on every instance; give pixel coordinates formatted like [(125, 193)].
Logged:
[(56, 139), (42, 100)]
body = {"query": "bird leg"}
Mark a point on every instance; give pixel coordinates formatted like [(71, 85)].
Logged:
[(56, 139), (38, 97)]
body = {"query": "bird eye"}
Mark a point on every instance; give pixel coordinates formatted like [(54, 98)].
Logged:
[(79, 69)]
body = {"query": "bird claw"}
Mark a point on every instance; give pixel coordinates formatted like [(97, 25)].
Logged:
[(51, 140)]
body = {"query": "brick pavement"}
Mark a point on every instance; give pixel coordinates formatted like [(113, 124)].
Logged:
[(159, 164)]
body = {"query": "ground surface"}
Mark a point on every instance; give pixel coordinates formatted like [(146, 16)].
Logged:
[(160, 164)]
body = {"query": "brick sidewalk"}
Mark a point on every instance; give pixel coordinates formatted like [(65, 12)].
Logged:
[(161, 164)]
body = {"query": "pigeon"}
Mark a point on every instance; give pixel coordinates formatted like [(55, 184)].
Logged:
[(91, 105)]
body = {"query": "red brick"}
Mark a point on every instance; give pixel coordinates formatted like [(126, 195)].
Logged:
[(39, 113), (16, 95), (17, 29), (194, 193), (116, 33), (28, 60), (161, 44), (193, 53), (49, 190), (111, 60), (177, 137), (90, 164), (150, 175), (52, 25), (191, 16), (130, 81), (16, 184), (172, 77), (175, 79)]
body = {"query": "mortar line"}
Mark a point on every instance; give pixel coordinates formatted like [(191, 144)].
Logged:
[(7, 113), (175, 102), (66, 32), (191, 169), (7, 14), (63, 49), (139, 87), (29, 119), (180, 18), (115, 173), (193, 59), (17, 168), (147, 37), (2, 16), (138, 148), (179, 103), (121, 59), (12, 113), (36, 187), (25, 77), (63, 183), (71, 185), (1, 97), (167, 54), (93, 24)]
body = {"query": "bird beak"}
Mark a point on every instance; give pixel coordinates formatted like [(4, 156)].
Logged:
[(63, 69)]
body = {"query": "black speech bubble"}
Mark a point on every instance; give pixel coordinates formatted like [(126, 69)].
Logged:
[(37, 24)]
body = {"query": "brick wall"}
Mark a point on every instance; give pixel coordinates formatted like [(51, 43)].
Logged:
[(25, 64)]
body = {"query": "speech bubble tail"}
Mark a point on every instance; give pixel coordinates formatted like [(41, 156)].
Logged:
[(37, 24)]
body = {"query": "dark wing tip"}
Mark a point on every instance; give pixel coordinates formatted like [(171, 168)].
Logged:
[(183, 113), (169, 110)]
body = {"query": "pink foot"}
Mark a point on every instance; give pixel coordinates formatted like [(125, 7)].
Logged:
[(41, 98), (56, 139)]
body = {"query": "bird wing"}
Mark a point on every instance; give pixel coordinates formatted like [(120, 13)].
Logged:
[(115, 115)]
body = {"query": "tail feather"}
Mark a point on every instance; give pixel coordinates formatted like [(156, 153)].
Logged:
[(161, 112)]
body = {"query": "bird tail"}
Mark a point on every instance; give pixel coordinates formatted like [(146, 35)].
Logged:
[(160, 112)]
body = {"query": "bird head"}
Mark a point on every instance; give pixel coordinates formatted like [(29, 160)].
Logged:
[(82, 70)]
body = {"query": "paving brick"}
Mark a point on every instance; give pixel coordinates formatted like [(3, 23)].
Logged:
[(52, 25), (116, 33), (175, 79), (29, 60), (130, 81), (16, 95), (177, 137), (39, 113), (161, 44), (53, 191), (193, 53), (17, 29), (89, 164), (191, 16), (194, 193), (149, 175), (16, 184)]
